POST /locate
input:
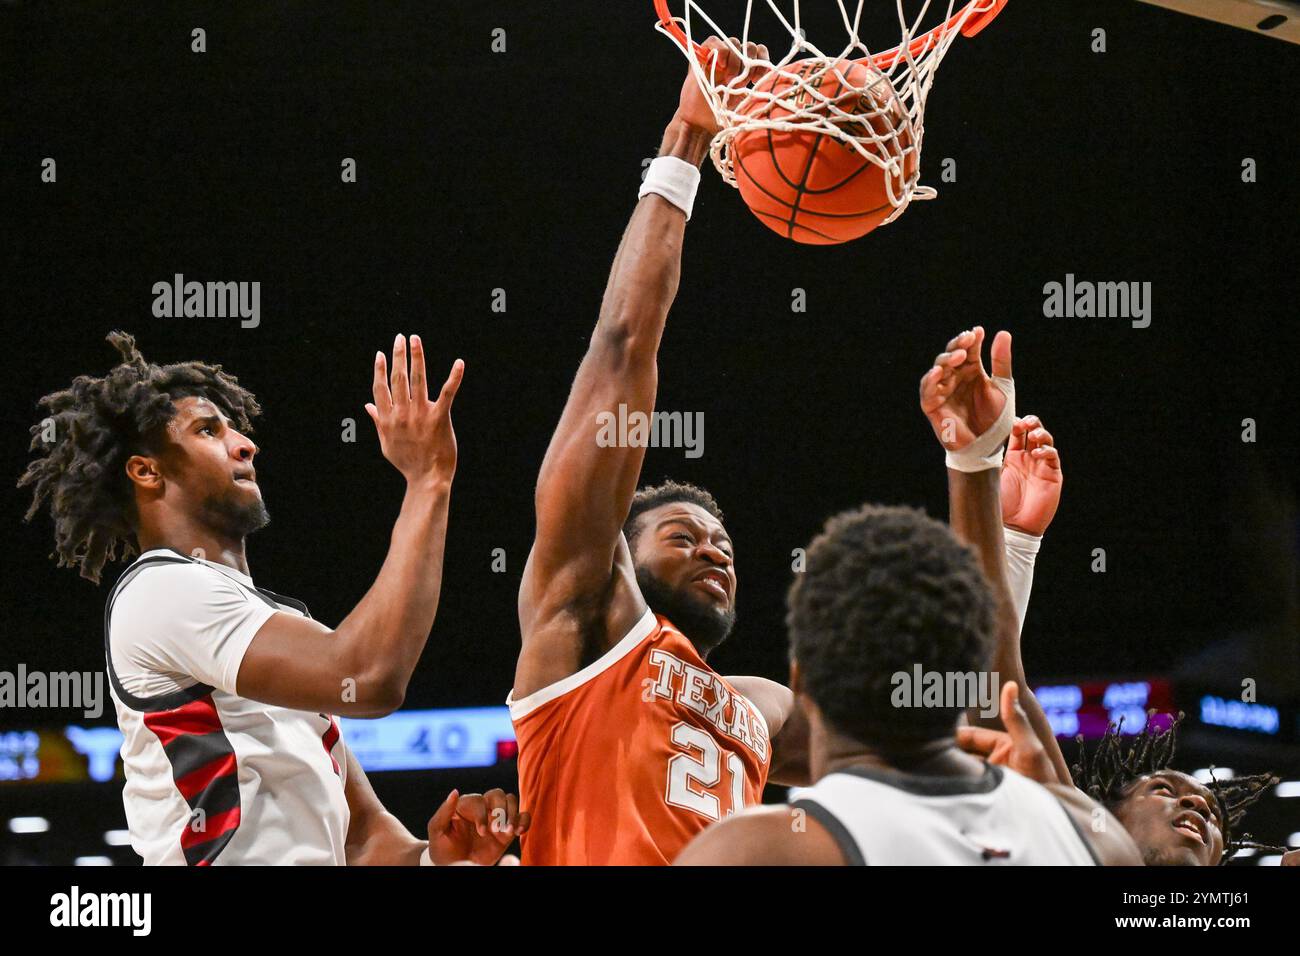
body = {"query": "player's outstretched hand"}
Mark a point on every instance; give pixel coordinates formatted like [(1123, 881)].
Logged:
[(724, 66), (476, 828), (415, 434), (957, 395), (1018, 747), (1031, 478)]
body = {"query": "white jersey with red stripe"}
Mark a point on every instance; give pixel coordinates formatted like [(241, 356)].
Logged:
[(213, 778), (889, 818)]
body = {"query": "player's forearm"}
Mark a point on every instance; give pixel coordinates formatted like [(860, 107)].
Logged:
[(1020, 552), (647, 267), (975, 513), (586, 484), (642, 283), (385, 634), (385, 842)]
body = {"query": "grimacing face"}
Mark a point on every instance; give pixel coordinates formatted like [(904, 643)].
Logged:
[(686, 566), (1174, 819), (209, 464)]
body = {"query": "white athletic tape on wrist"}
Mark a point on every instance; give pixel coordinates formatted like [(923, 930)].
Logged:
[(425, 859), (1022, 542), (674, 179), (1021, 552), (985, 452)]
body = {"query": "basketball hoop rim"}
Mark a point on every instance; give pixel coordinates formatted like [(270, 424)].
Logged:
[(977, 13)]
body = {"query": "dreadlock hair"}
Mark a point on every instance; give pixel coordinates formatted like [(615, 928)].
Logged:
[(98, 423), (662, 494), (1118, 762)]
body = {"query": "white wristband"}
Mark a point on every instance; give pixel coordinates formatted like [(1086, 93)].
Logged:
[(674, 179), (985, 452), (425, 859)]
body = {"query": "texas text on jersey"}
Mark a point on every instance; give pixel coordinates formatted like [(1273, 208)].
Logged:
[(627, 760)]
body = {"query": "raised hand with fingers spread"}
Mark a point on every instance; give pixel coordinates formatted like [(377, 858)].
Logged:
[(415, 434)]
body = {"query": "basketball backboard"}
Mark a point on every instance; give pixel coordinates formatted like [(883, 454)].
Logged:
[(1274, 18)]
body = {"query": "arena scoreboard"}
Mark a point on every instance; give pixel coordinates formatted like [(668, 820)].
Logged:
[(406, 740), (1090, 707)]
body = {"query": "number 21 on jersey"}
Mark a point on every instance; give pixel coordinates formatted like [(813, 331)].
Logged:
[(693, 775)]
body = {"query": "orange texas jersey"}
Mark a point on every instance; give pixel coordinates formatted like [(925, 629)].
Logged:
[(624, 762)]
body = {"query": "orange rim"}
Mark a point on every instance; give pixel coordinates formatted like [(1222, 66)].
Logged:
[(881, 61)]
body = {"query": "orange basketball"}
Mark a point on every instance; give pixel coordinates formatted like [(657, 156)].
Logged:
[(810, 186)]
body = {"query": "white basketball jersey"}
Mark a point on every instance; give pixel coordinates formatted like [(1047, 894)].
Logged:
[(213, 778), (889, 818)]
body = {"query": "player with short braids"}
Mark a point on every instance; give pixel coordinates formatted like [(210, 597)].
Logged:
[(1131, 777), (1172, 818), (98, 424), (887, 593)]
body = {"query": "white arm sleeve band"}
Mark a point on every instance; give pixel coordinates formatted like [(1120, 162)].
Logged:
[(1021, 550), (985, 452), (675, 180)]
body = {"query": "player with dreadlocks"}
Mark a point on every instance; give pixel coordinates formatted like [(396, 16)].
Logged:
[(888, 592), (1174, 818), (225, 691)]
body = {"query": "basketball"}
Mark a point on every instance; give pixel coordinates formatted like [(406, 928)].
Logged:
[(812, 187)]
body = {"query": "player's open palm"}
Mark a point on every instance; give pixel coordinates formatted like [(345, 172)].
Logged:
[(958, 397), (415, 434), (1031, 477)]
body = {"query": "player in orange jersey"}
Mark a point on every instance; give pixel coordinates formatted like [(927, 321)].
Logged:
[(630, 744)]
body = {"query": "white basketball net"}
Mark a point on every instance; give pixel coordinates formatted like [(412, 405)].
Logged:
[(888, 135)]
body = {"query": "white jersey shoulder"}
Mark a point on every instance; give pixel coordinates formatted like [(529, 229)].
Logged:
[(213, 778), (889, 818)]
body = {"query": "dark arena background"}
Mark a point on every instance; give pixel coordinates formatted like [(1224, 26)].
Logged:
[(491, 189)]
